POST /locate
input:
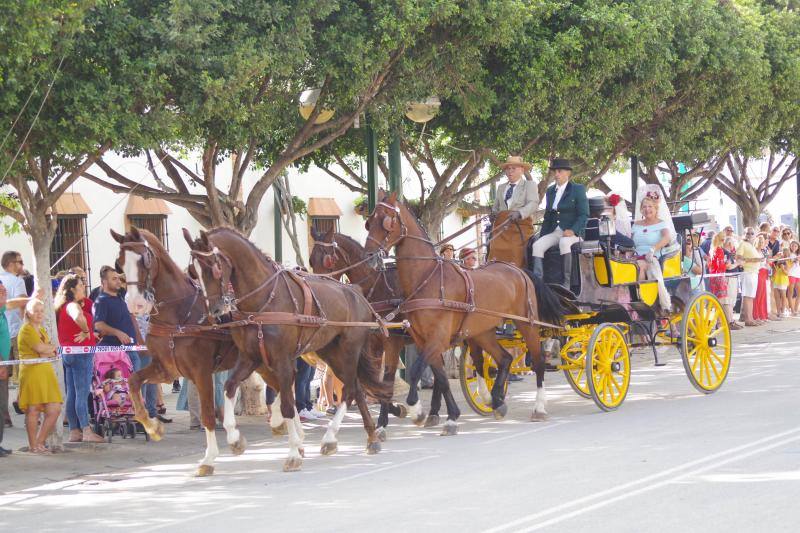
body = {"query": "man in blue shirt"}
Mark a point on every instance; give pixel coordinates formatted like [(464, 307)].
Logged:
[(115, 327)]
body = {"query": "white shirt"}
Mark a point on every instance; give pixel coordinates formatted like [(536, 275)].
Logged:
[(557, 198), (559, 194), (15, 286)]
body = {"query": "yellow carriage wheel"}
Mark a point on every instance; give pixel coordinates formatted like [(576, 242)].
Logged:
[(468, 374), (573, 361), (608, 367), (706, 343)]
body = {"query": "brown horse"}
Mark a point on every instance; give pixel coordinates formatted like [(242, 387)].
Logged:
[(224, 258), (336, 252), (155, 282), (447, 305)]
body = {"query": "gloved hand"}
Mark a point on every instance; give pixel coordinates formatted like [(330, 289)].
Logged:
[(514, 216)]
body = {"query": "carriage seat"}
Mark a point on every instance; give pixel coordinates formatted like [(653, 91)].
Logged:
[(670, 261)]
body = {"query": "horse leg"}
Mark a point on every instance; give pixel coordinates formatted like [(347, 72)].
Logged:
[(488, 342), (531, 336), (392, 347), (413, 400), (152, 373), (373, 443), (476, 353), (329, 442), (436, 403), (236, 440), (277, 423), (205, 389), (285, 374), (453, 412)]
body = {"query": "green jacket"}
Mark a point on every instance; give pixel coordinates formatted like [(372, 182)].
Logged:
[(572, 210)]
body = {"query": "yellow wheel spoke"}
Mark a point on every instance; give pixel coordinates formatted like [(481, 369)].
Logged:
[(696, 360), (707, 366), (616, 385)]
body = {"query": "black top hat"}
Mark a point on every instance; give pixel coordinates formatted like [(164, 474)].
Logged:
[(556, 164)]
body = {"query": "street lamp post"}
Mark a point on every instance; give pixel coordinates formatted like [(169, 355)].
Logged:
[(395, 173)]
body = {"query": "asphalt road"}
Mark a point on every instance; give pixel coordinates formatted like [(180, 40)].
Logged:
[(670, 459)]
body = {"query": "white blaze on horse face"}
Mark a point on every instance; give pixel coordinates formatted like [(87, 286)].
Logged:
[(137, 303), (199, 270)]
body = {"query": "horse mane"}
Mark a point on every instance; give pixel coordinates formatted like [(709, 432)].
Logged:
[(161, 252), (256, 250), (348, 239), (419, 225)]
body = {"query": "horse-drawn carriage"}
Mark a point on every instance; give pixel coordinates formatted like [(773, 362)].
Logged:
[(614, 311)]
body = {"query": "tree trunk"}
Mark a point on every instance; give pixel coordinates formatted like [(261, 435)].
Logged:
[(252, 401), (749, 216), (432, 220), (41, 236)]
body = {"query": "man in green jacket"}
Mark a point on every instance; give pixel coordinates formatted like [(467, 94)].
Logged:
[(566, 211)]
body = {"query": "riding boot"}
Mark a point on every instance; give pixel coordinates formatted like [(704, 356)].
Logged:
[(538, 267), (567, 260)]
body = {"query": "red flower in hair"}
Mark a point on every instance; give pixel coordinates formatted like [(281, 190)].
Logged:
[(614, 199)]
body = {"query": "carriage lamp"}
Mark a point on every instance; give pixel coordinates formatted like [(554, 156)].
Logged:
[(308, 101), (607, 227)]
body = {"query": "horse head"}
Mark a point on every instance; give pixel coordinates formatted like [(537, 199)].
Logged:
[(138, 260), (213, 271), (385, 225), (326, 256)]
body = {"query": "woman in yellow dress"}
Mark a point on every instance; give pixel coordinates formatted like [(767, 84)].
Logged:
[(38, 387)]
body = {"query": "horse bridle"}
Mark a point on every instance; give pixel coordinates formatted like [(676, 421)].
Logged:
[(147, 257), (148, 291), (387, 223), (329, 259), (213, 261)]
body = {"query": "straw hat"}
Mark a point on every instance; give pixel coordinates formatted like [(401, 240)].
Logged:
[(515, 160)]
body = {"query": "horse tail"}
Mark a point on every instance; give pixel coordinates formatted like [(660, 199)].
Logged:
[(548, 302), (370, 368)]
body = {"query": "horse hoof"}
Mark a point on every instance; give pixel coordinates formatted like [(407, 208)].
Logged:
[(373, 448), (329, 448), (432, 421), (280, 431), (155, 430), (420, 420), (539, 417), (403, 411), (292, 464), (500, 412), (204, 471), (380, 433), (238, 447), (449, 429)]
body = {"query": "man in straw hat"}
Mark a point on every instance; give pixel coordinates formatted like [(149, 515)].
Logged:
[(514, 205), (566, 211)]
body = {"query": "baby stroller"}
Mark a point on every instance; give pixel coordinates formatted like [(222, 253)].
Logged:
[(113, 408)]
